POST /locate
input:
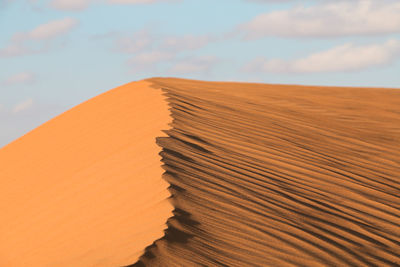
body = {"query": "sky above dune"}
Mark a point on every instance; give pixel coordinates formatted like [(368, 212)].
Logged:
[(54, 54)]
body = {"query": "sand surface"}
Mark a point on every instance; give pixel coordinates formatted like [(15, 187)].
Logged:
[(85, 188), (268, 175), (260, 175)]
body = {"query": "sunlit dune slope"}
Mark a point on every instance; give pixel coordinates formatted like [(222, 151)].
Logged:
[(268, 175), (85, 188)]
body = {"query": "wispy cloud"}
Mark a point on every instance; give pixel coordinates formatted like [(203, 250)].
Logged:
[(49, 30), (78, 5), (186, 42), (24, 105), (150, 58), (136, 42), (16, 49), (145, 40), (347, 57), (151, 50), (327, 19), (20, 78), (201, 64), (41, 35), (72, 5), (141, 1), (270, 1)]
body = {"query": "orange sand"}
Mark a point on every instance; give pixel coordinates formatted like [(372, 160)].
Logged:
[(85, 188), (260, 175), (275, 175)]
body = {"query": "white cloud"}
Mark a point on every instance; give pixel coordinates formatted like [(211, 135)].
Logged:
[(27, 104), (41, 35), (141, 1), (270, 1), (151, 58), (20, 78), (196, 65), (73, 5), (327, 19), (347, 57), (152, 51), (15, 49), (104, 36), (53, 29), (77, 5), (145, 40), (186, 42), (139, 41)]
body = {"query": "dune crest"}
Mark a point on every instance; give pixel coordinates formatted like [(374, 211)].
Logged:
[(85, 188)]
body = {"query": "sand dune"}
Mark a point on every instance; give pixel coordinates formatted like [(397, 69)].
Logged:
[(266, 175), (85, 189), (260, 175)]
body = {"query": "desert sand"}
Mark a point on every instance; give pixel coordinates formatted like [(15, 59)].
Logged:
[(86, 188), (249, 175)]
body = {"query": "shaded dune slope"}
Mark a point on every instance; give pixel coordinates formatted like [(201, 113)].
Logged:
[(85, 188), (267, 175)]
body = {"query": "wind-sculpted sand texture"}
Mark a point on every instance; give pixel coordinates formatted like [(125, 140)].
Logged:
[(85, 188), (269, 175)]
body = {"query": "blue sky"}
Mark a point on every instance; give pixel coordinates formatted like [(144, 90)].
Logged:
[(54, 54)]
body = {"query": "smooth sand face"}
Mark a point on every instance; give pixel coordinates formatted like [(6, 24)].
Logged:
[(85, 189)]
